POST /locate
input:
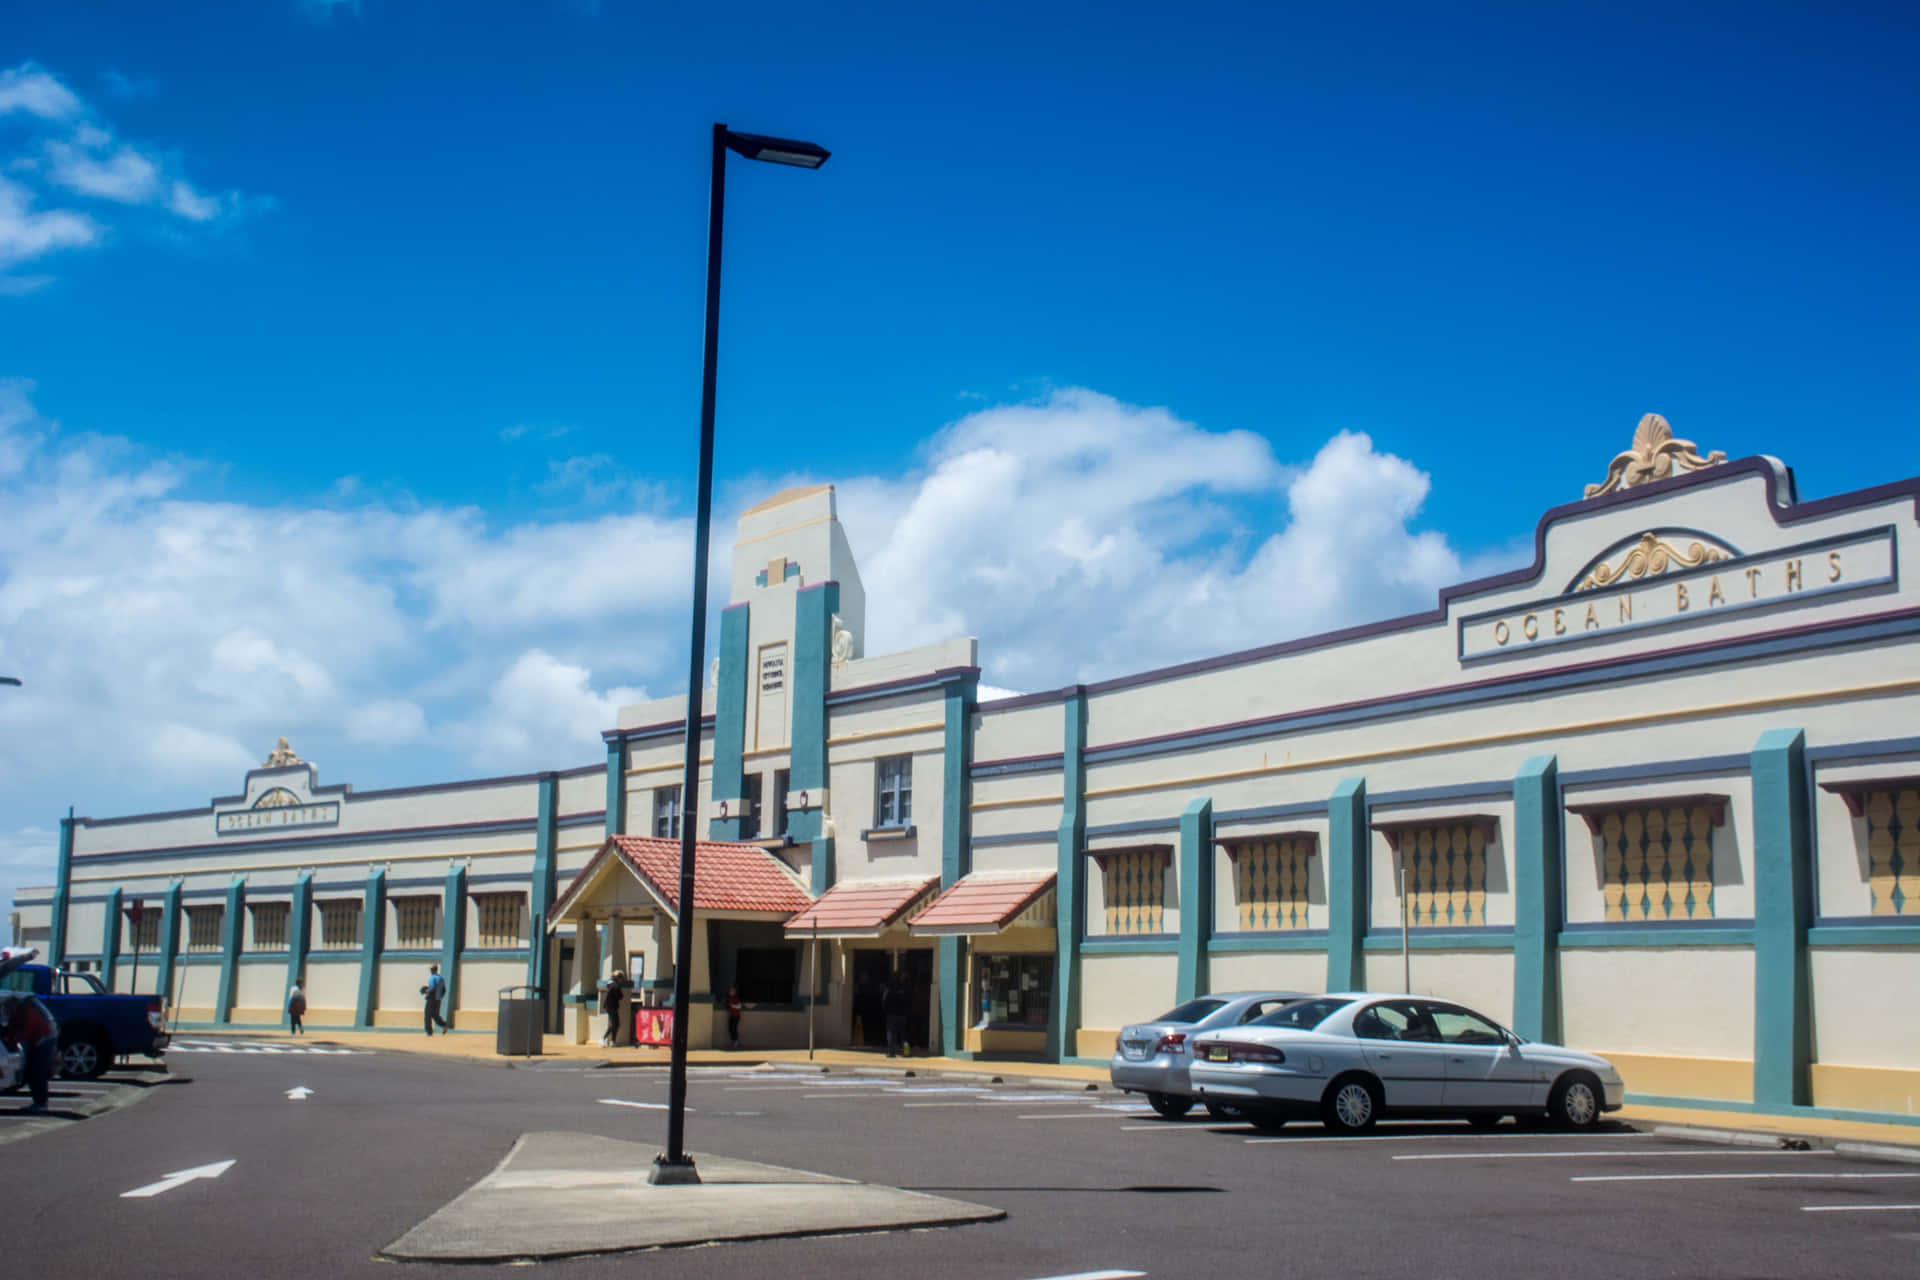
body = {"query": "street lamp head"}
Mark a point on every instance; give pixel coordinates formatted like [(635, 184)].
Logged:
[(755, 146)]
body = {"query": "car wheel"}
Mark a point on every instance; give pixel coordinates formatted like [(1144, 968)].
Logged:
[(84, 1058), (1351, 1104), (1575, 1102), (1221, 1111), (1484, 1122), (1170, 1106)]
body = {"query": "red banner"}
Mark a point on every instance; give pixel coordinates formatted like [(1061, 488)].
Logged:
[(653, 1026)]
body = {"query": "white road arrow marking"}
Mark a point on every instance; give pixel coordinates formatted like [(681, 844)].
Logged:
[(299, 1093), (622, 1102), (179, 1179)]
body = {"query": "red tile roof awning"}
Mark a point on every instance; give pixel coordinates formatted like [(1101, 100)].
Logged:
[(860, 908), (726, 876), (985, 902)]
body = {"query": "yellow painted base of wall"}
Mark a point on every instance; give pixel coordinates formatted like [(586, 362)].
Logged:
[(397, 1017), (1727, 1079), (1892, 1089), (475, 1019), (990, 1040), (192, 1013), (1095, 1042), (328, 1017), (255, 1017)]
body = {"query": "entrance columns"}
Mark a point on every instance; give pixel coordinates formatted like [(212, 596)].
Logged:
[(586, 963)]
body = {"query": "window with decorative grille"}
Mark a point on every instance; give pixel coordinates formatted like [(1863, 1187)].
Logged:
[(269, 926), (1893, 849), (413, 921), (203, 928), (1656, 862), (1445, 870), (340, 925), (145, 933), (1134, 887), (1270, 882), (499, 917)]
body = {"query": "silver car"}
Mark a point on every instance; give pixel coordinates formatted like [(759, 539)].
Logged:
[(1153, 1057), (1350, 1057)]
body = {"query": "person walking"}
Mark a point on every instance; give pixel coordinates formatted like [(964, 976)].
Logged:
[(610, 1005), (29, 1026), (435, 991), (296, 1009), (894, 1006), (734, 1008)]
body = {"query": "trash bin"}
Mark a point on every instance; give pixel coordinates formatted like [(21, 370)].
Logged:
[(517, 1027)]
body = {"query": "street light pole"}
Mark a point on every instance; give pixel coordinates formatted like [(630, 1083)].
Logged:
[(675, 1166)]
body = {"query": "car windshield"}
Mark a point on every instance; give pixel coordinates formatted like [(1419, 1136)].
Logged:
[(1191, 1011), (1302, 1015)]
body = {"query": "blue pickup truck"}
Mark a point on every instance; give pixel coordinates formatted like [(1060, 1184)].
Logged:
[(96, 1026)]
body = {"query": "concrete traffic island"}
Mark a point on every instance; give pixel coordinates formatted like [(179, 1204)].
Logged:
[(532, 1205)]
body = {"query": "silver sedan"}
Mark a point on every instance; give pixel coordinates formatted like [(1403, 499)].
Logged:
[(1153, 1057), (1350, 1057)]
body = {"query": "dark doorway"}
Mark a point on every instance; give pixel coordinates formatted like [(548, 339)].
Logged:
[(919, 970), (871, 969)]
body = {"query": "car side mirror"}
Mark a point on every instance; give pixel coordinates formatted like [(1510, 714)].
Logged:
[(1514, 1042)]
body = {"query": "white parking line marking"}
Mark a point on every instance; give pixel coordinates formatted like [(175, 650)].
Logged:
[(1163, 1127), (1307, 1135), (1083, 1115), (872, 1093), (1076, 1099), (624, 1102), (1855, 1208), (1097, 1275), (936, 1088), (1569, 1155), (1726, 1177), (911, 1105)]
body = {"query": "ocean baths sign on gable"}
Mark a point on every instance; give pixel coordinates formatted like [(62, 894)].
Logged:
[(279, 794), (1654, 582)]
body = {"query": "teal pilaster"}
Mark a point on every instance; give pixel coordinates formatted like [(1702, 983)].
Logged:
[(1536, 899), (616, 788), (540, 892), (956, 851), (299, 936), (110, 939), (373, 933), (169, 942), (1782, 910), (1070, 879), (1196, 898), (820, 871), (1347, 847), (813, 610), (730, 720), (230, 935), (62, 886), (453, 934)]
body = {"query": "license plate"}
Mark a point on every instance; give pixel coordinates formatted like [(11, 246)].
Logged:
[(1135, 1049), (1218, 1053)]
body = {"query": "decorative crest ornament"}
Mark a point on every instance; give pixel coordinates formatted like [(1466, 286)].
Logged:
[(1649, 558), (280, 756), (842, 642), (1655, 453)]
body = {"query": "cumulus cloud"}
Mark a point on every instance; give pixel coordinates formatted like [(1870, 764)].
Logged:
[(541, 700), (68, 150)]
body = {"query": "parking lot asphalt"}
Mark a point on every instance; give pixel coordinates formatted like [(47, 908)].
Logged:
[(308, 1163), (71, 1101)]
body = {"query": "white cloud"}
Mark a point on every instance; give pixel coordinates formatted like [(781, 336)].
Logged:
[(27, 233), (123, 174), (540, 700), (27, 88)]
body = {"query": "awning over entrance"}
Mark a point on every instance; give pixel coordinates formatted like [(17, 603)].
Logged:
[(861, 908), (985, 902), (726, 877)]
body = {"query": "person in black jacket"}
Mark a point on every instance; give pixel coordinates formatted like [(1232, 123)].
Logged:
[(610, 1000), (895, 1006)]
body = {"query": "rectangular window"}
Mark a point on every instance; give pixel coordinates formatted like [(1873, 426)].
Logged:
[(499, 916), (893, 792), (750, 801), (1656, 862), (767, 975), (144, 933), (340, 925), (269, 926), (1014, 990), (1133, 885), (413, 921), (203, 928), (666, 812), (1270, 882), (1893, 849), (781, 785), (1443, 873)]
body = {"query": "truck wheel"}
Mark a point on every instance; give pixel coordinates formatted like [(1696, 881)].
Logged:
[(85, 1057)]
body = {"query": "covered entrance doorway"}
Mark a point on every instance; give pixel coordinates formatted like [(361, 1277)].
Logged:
[(872, 971)]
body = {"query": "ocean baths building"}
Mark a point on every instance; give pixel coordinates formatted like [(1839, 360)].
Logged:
[(1655, 794)]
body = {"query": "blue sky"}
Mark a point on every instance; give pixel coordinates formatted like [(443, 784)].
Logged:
[(349, 354)]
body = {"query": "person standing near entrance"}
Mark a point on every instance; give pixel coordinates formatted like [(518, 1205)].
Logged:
[(435, 991), (610, 1005), (895, 1006), (734, 1008), (29, 1026), (296, 1008)]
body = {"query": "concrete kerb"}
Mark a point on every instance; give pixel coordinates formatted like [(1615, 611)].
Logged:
[(1778, 1140)]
